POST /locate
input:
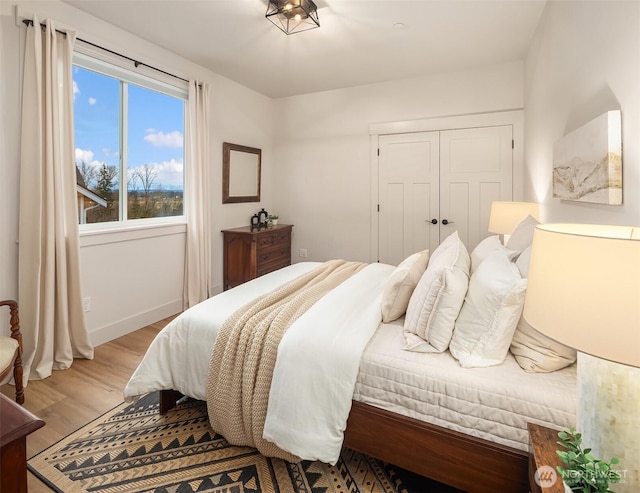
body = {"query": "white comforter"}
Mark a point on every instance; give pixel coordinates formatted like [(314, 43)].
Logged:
[(317, 364)]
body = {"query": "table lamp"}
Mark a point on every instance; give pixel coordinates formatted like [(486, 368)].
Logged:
[(584, 291), (505, 216)]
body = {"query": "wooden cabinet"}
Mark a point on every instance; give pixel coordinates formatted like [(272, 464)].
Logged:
[(15, 424), (250, 253)]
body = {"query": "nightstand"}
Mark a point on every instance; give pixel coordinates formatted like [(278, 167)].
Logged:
[(542, 453), (251, 253), (15, 424)]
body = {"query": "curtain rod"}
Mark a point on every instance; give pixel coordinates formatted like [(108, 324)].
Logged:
[(136, 63)]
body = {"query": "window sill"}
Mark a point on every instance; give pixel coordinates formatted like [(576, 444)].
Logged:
[(122, 233)]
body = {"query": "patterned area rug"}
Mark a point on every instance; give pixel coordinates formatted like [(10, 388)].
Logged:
[(134, 449)]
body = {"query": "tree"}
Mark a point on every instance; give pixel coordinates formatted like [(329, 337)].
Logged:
[(106, 178), (147, 175), (88, 173)]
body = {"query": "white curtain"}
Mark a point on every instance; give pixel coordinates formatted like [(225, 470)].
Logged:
[(51, 316), (197, 270)]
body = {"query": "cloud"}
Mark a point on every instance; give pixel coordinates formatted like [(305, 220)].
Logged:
[(76, 89), (161, 139), (92, 101), (109, 153), (84, 155)]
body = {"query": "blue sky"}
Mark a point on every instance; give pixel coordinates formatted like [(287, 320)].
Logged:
[(155, 131)]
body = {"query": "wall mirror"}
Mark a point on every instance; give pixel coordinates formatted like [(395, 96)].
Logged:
[(240, 173)]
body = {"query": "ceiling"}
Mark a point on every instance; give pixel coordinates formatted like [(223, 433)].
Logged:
[(358, 42)]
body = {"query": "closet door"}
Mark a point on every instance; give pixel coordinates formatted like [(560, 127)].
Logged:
[(476, 168), (407, 195), (450, 176)]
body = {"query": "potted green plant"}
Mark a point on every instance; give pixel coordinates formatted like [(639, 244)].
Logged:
[(583, 472), (273, 219)]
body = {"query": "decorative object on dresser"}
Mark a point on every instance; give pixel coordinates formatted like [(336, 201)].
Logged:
[(15, 424), (240, 173), (587, 163), (260, 220), (583, 291), (251, 253)]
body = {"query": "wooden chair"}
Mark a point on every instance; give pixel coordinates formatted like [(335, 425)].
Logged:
[(11, 350)]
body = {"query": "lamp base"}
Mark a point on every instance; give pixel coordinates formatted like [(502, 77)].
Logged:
[(608, 416)]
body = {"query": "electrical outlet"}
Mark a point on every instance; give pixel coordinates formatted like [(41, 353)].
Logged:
[(86, 303), (303, 253)]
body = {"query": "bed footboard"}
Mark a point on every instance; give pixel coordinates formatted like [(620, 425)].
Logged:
[(468, 463), (453, 458)]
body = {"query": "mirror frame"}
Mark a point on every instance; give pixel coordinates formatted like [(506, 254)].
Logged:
[(227, 167)]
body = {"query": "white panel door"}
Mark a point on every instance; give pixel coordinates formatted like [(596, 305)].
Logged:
[(408, 177), (476, 168)]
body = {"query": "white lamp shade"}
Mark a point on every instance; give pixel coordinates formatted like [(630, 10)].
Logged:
[(584, 289), (505, 216)]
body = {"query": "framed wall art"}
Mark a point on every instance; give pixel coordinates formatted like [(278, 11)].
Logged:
[(587, 163)]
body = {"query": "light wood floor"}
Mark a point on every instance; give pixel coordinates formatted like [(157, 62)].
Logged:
[(71, 398)]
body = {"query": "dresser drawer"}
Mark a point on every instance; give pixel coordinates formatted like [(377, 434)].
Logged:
[(272, 239), (274, 254), (273, 265)]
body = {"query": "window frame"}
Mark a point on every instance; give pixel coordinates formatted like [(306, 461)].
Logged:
[(109, 64)]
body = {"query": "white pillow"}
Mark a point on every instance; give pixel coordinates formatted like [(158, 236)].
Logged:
[(522, 235), (401, 284), (537, 353), (490, 313), (436, 301), (523, 261), (487, 246)]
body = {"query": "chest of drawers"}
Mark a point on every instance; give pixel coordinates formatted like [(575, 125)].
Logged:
[(252, 253)]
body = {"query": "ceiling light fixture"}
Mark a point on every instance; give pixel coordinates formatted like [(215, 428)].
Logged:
[(293, 16)]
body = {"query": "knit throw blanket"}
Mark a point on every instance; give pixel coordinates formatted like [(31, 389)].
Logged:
[(244, 355)]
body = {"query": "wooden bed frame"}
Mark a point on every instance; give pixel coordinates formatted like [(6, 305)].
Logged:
[(470, 464)]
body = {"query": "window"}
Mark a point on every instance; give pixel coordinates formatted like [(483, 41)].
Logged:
[(129, 144)]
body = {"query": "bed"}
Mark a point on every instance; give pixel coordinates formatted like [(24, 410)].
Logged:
[(421, 411)]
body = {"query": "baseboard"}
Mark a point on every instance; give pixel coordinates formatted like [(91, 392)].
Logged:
[(131, 324)]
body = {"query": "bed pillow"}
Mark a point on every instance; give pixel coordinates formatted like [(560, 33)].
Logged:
[(401, 285), (523, 261), (436, 301), (487, 246), (490, 313), (534, 351), (522, 235), (537, 353)]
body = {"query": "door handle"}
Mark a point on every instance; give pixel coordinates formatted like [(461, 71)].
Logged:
[(433, 221), (445, 222)]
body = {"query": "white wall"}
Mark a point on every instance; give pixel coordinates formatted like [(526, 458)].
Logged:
[(132, 279), (323, 157), (585, 60)]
